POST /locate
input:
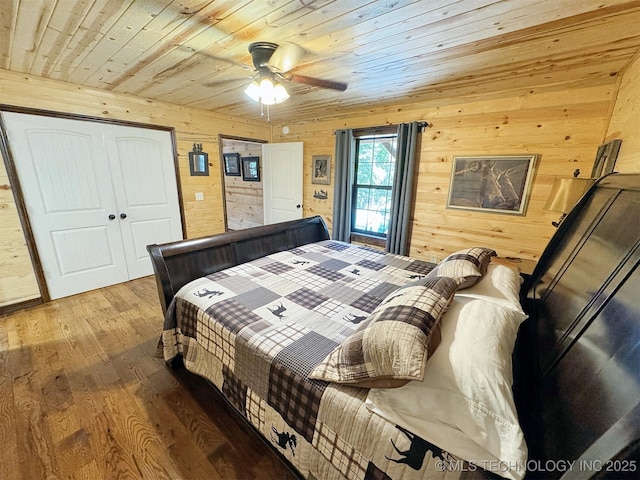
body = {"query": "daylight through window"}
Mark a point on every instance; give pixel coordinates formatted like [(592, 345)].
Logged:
[(374, 172)]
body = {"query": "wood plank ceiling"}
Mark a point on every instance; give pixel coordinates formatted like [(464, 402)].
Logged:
[(390, 52)]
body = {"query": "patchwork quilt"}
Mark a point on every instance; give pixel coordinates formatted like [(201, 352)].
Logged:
[(256, 330)]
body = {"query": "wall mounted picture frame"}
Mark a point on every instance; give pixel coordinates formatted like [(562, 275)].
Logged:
[(251, 169), (198, 161), (606, 158), (231, 164), (321, 169), (491, 183)]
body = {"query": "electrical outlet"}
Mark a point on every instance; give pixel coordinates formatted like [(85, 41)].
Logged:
[(199, 196), (434, 258)]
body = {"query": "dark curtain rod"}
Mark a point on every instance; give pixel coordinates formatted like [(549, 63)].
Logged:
[(385, 129)]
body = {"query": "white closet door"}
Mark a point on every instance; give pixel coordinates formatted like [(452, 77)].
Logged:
[(96, 194), (65, 178), (143, 173)]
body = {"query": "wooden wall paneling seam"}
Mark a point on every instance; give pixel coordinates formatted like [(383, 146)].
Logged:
[(610, 112)]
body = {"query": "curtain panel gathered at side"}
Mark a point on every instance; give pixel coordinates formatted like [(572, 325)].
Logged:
[(402, 196), (343, 189)]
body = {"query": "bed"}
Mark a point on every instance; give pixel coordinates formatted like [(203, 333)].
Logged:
[(351, 363)]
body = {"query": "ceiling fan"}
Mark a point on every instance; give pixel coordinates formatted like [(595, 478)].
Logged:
[(272, 66), (275, 61)]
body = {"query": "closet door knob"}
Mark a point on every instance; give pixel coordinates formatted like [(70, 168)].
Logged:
[(112, 217), (123, 216)]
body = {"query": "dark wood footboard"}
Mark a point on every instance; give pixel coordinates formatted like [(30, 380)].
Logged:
[(177, 263), (580, 400)]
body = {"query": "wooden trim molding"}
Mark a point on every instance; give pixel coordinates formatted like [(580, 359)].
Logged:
[(5, 151), (14, 307)]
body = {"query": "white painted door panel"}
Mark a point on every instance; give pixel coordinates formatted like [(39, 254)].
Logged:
[(143, 172), (282, 184), (64, 176), (75, 175)]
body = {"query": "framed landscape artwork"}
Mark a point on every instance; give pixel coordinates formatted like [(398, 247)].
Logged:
[(497, 184)]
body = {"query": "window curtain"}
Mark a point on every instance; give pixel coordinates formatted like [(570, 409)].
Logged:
[(342, 192), (402, 195)]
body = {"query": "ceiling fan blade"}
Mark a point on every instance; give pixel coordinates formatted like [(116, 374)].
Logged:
[(286, 57), (318, 82), (215, 58), (220, 83)]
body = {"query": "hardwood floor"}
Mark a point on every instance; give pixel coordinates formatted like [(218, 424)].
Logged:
[(83, 395)]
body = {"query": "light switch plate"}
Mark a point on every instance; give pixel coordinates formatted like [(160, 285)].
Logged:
[(199, 196)]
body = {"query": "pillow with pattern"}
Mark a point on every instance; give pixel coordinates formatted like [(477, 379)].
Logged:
[(468, 265), (391, 347)]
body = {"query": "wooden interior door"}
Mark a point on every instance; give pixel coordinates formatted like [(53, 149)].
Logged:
[(282, 184)]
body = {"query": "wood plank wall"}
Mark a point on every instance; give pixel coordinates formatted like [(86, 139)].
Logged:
[(564, 126), (17, 282), (625, 120)]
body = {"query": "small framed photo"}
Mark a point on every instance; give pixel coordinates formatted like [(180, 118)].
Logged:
[(251, 169), (198, 163), (231, 164), (496, 184), (321, 173)]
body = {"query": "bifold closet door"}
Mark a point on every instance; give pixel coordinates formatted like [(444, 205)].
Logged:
[(143, 175), (86, 186)]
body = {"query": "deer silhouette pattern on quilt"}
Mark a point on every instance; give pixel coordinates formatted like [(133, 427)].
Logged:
[(278, 311), (414, 456), (206, 292), (284, 440), (355, 319)]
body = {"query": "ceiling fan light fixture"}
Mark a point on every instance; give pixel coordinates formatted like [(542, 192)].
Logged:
[(253, 91), (266, 92), (280, 93)]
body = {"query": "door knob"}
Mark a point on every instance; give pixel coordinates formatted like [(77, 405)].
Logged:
[(298, 206), (112, 217), (123, 216)]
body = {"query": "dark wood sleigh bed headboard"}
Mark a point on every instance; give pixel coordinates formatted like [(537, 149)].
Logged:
[(177, 263), (577, 362)]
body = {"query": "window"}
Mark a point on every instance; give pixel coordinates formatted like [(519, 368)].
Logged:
[(373, 182)]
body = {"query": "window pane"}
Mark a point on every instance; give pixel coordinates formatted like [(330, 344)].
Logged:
[(365, 170), (370, 221), (362, 198), (375, 166)]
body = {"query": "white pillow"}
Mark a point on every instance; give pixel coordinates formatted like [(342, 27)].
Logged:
[(465, 403), (501, 285)]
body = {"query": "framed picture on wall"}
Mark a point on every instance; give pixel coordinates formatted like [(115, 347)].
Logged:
[(251, 169), (606, 158), (497, 184), (321, 173), (231, 164)]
